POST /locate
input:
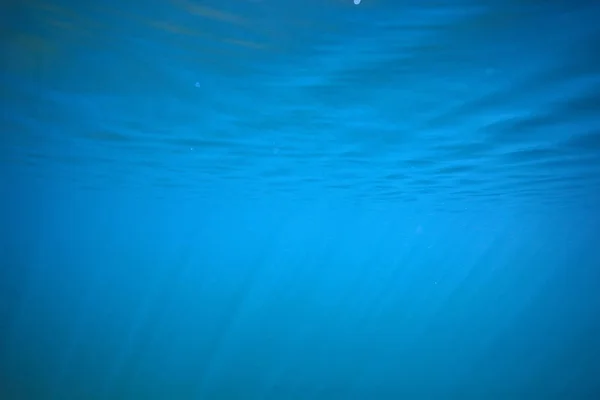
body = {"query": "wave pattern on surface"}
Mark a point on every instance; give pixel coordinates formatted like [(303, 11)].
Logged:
[(381, 101)]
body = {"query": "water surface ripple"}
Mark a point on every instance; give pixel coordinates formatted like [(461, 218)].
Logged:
[(384, 101)]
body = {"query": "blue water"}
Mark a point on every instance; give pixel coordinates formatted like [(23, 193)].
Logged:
[(260, 199)]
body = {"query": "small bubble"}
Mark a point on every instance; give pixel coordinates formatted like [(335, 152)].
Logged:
[(357, 2), (197, 84)]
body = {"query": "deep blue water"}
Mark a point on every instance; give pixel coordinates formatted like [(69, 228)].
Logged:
[(261, 199)]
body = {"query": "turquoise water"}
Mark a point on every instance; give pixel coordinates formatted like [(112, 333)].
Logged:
[(260, 199)]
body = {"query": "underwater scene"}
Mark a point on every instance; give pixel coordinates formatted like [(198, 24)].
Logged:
[(299, 199)]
